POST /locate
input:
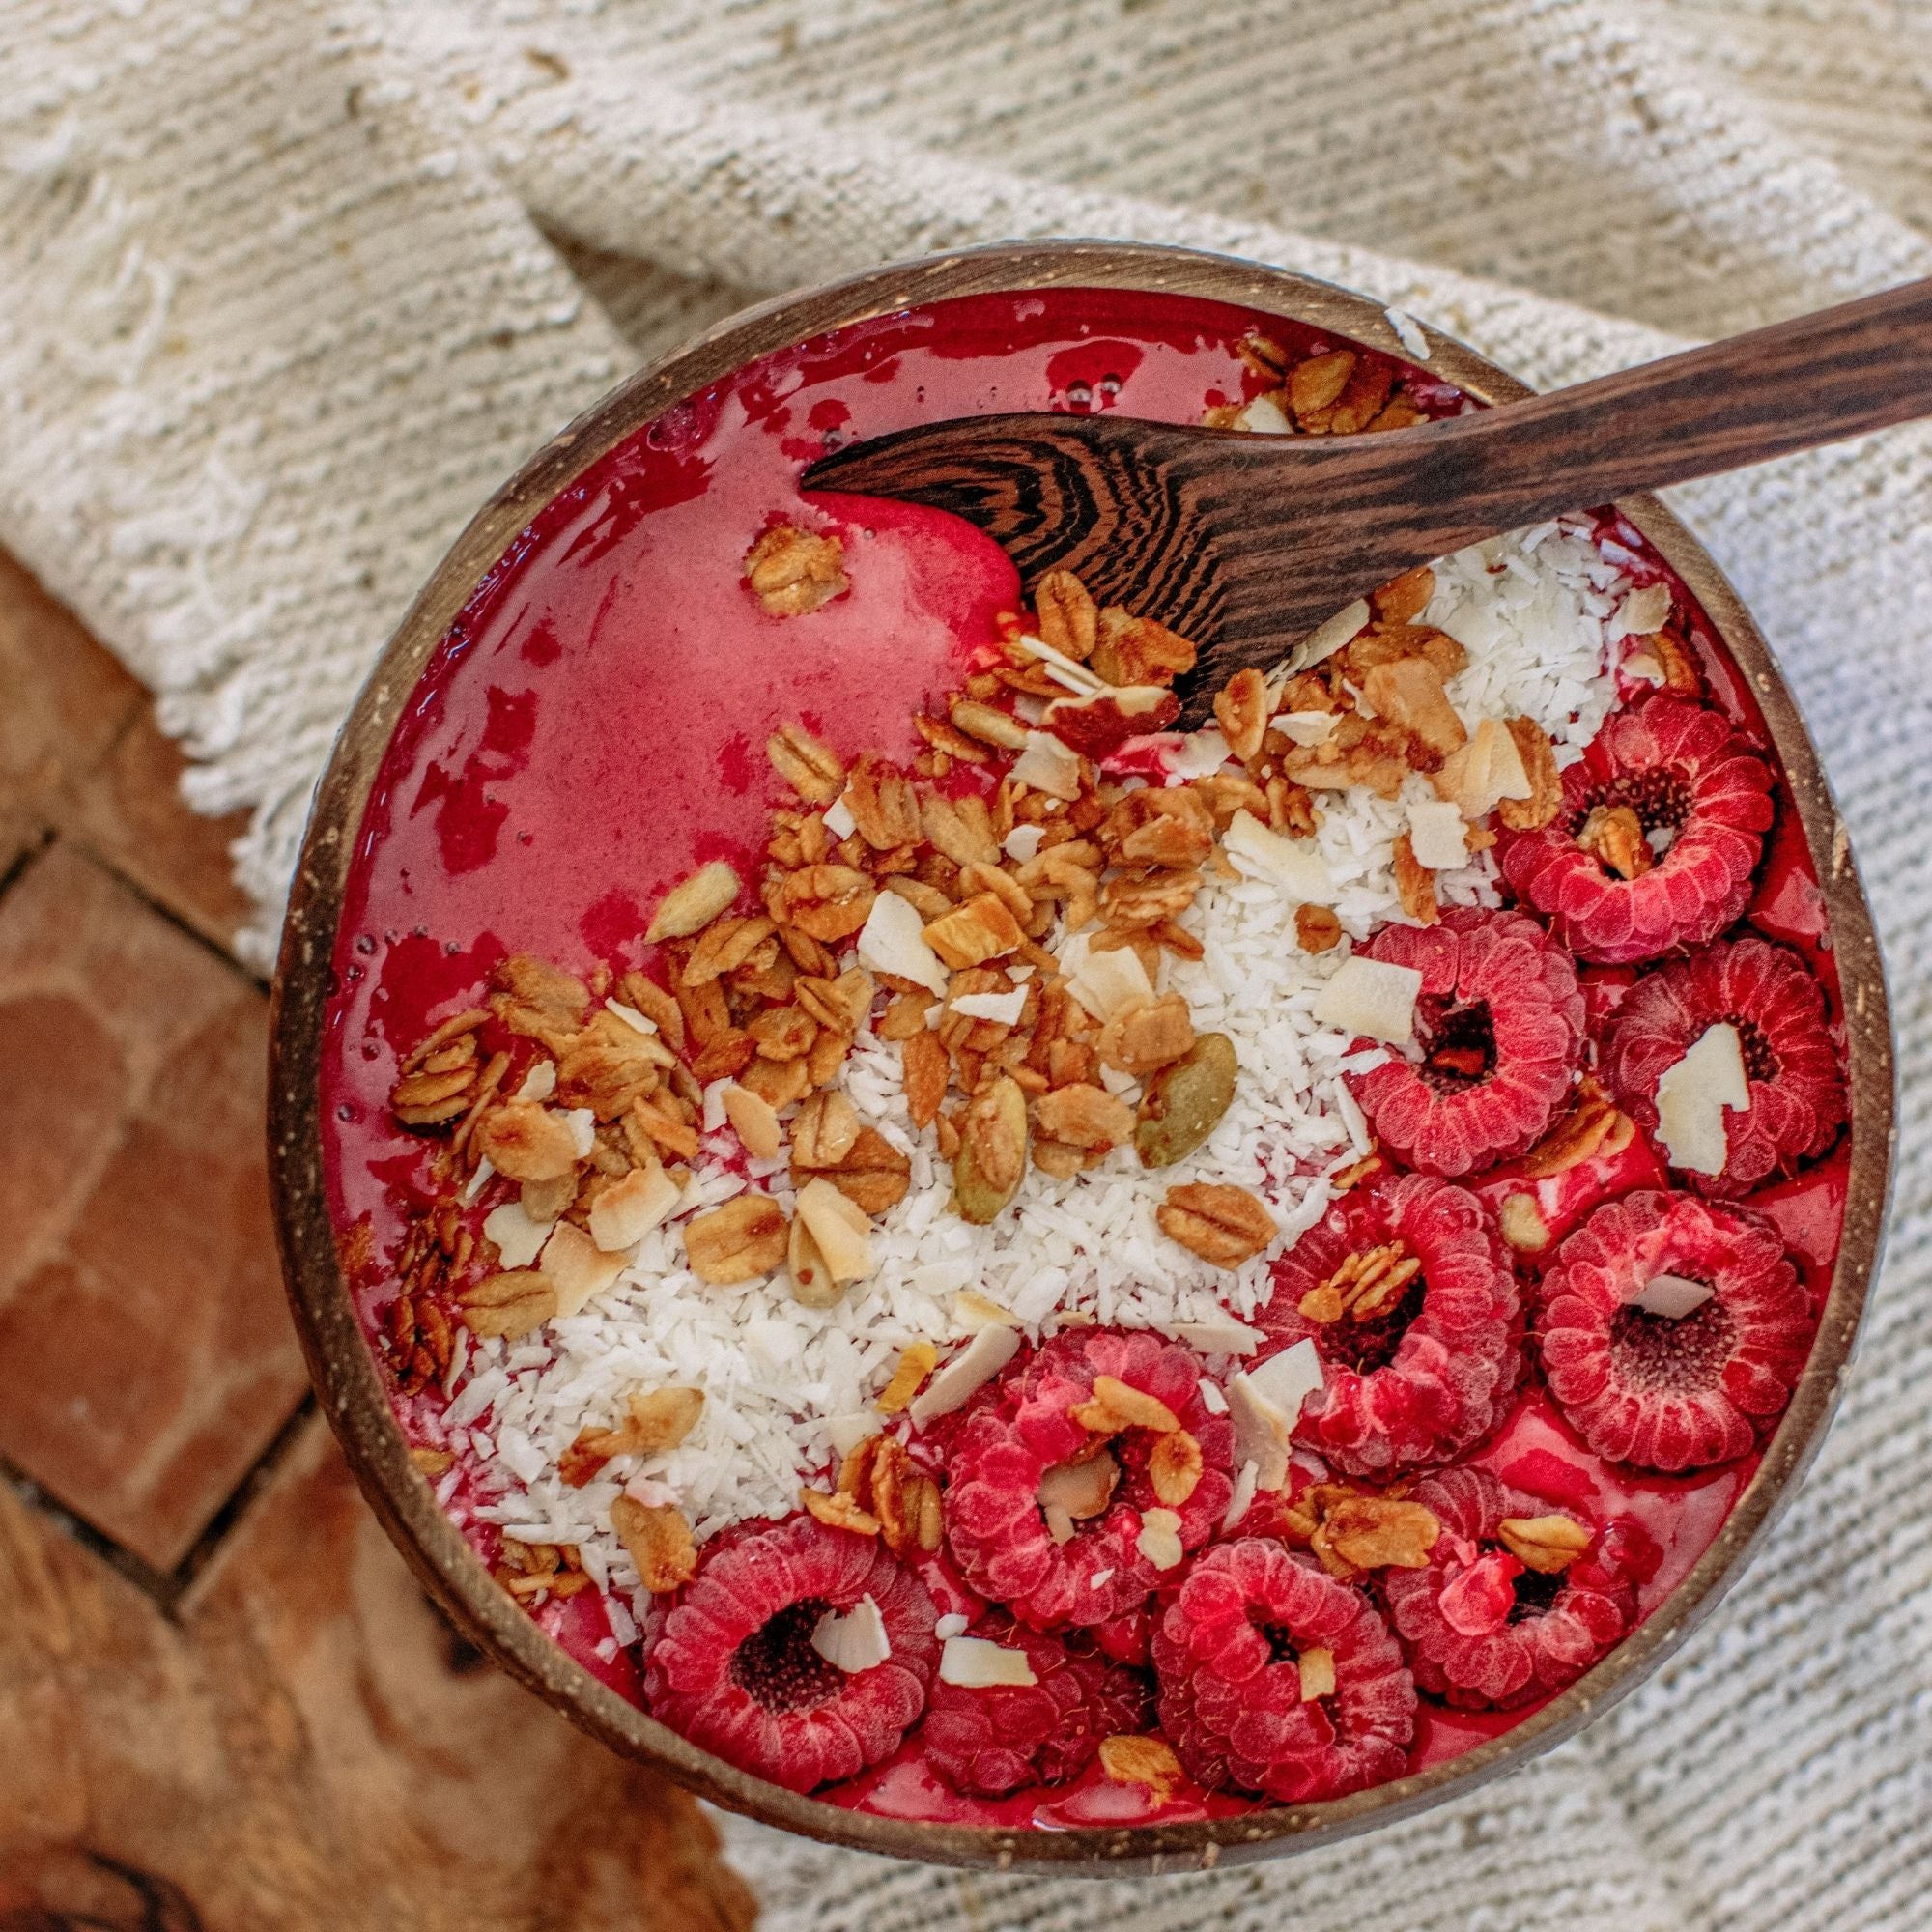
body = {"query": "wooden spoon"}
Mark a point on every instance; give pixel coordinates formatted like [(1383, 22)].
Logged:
[(1245, 543)]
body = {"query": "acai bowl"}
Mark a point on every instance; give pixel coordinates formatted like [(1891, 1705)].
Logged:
[(980, 1277)]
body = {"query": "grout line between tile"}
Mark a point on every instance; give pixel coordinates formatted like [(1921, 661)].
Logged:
[(141, 1574), (189, 1571)]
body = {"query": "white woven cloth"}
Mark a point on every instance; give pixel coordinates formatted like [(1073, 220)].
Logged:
[(287, 287)]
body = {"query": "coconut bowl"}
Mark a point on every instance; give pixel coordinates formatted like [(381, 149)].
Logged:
[(352, 1385)]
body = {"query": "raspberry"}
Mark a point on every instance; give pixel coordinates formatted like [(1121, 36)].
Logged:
[(993, 1741), (1500, 1020), (1797, 1089), (1698, 791), (731, 1666), (1227, 1651), (995, 1524), (1666, 1394), (1480, 1629), (1427, 1377)]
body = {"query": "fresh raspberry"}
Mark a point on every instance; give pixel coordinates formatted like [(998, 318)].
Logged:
[(1227, 1651), (995, 1524), (1791, 1066), (1699, 793), (733, 1668), (993, 1741), (1500, 1022), (1668, 1394), (1480, 1629), (1430, 1374)]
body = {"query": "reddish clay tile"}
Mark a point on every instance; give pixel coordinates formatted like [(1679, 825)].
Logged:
[(133, 813), (303, 1749), (67, 701), (145, 1356)]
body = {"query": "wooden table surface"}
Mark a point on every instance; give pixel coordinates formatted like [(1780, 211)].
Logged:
[(224, 1703)]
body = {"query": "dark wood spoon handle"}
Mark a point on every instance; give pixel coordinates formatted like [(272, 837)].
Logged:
[(1816, 378)]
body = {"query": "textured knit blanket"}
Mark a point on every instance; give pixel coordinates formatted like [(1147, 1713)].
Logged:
[(288, 286)]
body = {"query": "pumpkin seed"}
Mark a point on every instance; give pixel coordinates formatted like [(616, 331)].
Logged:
[(1184, 1103), (992, 1152)]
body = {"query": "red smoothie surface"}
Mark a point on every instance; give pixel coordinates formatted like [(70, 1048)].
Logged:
[(593, 728)]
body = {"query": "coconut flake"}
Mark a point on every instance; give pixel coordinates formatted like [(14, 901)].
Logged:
[(841, 1229), (1221, 1336), (1409, 333), (1192, 755), (1692, 1095), (1371, 997), (577, 1267), (1328, 638), (519, 1239), (1640, 613), (631, 1017), (1243, 1498), (1265, 416), (539, 1083), (1159, 1540), (1104, 982), (626, 1211), (1305, 727), (1435, 835), (892, 940), (838, 819), (971, 1369), (856, 1642), (1265, 1404), (977, 1664), (850, 1429), (1004, 1008), (1672, 1297), (583, 1125), (1294, 865), (951, 1624), (1022, 842), (1047, 765)]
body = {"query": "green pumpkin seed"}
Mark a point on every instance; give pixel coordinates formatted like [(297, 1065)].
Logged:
[(1186, 1101), (992, 1152)]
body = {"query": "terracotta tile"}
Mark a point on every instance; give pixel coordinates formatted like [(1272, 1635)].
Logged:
[(68, 700), (302, 1749), (131, 813), (146, 1358)]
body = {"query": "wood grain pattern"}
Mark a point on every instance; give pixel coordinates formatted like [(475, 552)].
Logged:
[(1245, 543)]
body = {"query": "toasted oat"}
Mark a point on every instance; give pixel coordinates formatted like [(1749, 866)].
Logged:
[(1579, 1136), (884, 807), (511, 1305), (1409, 692), (1146, 1035), (535, 999), (1414, 882), (1315, 384), (1242, 708), (1402, 599), (724, 946), (988, 726), (1545, 1543), (916, 1363), (1153, 827), (1068, 618), (830, 902), (1084, 1117), (1317, 929), (526, 1142), (655, 1420), (925, 1071), (1148, 1762), (983, 928), (659, 1543), (1136, 650), (1174, 1468), (1115, 1405), (738, 1242), (690, 906), (1133, 899), (812, 769), (1539, 762), (825, 1130), (885, 1483), (793, 573), (1366, 1284), (839, 1511), (1225, 1225), (872, 1173)]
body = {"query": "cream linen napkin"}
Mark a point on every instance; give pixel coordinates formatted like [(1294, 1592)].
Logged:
[(287, 286)]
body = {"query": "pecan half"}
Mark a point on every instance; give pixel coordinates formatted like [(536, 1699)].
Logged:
[(1223, 1225), (1317, 929), (1614, 835)]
